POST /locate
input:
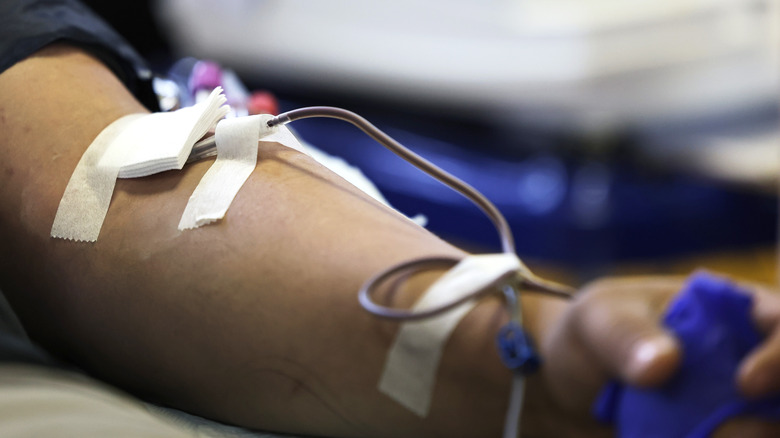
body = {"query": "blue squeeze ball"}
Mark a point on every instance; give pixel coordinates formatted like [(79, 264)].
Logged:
[(711, 319)]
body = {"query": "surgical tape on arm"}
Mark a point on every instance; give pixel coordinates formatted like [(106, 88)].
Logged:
[(237, 143), (410, 369), (84, 204), (134, 145)]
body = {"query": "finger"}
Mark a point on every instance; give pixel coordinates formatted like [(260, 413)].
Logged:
[(766, 308), (747, 428), (627, 339), (758, 373)]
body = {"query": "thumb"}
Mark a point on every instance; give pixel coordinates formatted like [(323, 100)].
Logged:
[(629, 342), (651, 360)]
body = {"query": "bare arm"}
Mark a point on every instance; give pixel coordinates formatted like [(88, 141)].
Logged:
[(253, 320)]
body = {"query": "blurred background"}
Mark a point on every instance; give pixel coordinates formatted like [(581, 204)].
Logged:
[(616, 136)]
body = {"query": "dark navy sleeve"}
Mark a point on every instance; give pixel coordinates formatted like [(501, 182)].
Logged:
[(26, 26)]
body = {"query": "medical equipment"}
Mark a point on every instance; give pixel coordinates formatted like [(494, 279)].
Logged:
[(515, 346)]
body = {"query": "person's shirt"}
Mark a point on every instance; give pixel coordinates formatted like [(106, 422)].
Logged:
[(27, 26)]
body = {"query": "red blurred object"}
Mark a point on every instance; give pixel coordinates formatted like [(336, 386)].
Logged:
[(263, 102)]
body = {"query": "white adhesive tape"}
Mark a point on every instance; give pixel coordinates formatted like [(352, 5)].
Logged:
[(282, 135), (236, 141), (84, 204), (135, 145), (413, 360)]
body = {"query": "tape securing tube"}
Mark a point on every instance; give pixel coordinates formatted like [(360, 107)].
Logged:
[(237, 144), (410, 369), (132, 146), (236, 141), (84, 204)]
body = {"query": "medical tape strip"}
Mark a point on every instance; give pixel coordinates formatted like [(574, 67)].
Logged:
[(410, 369), (236, 141), (84, 204), (282, 135), (138, 145)]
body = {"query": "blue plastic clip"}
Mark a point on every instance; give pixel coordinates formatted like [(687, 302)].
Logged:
[(516, 349)]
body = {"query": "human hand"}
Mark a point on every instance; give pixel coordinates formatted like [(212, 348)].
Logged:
[(612, 331)]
